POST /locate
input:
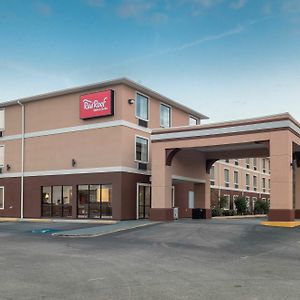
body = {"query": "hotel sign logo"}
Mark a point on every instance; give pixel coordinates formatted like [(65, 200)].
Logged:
[(99, 104)]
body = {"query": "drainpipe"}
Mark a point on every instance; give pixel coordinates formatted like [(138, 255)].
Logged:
[(22, 160)]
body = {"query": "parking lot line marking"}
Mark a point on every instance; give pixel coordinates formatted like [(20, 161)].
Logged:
[(290, 224)]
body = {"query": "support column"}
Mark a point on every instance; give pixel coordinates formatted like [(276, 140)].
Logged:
[(203, 197), (161, 187), (281, 206), (297, 193)]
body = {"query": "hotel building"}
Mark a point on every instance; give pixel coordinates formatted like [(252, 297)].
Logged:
[(85, 153)]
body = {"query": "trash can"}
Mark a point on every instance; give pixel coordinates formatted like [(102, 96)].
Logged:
[(197, 213)]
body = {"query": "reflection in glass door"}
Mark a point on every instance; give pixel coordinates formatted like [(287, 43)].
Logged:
[(144, 200)]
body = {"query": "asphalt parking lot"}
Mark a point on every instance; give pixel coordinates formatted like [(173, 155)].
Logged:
[(186, 259)]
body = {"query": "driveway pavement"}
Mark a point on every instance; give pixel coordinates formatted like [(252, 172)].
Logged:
[(188, 259)]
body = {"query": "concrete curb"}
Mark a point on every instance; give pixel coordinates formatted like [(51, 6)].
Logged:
[(58, 234), (74, 221), (240, 217)]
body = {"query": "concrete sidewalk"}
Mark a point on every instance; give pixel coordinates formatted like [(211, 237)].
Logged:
[(107, 229)]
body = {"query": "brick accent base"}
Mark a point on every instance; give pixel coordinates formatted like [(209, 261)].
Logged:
[(206, 213), (297, 213), (161, 214), (281, 215)]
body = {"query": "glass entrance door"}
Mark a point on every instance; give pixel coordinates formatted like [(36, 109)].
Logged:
[(144, 201)]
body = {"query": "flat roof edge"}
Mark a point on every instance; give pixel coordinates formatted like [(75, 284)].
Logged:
[(103, 84)]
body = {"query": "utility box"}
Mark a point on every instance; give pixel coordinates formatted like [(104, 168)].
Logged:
[(175, 213), (197, 213)]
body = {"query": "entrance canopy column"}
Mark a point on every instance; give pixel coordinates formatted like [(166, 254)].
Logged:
[(161, 186), (281, 149)]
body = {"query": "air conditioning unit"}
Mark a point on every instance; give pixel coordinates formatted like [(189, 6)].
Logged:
[(142, 166), (143, 123), (175, 213)]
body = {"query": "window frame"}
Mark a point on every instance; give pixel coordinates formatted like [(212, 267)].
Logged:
[(170, 114), (3, 146), (247, 175), (3, 189), (148, 149), (212, 178), (194, 118), (148, 106), (227, 183), (228, 201), (236, 184)]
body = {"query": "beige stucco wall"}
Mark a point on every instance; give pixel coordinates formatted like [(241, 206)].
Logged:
[(114, 146)]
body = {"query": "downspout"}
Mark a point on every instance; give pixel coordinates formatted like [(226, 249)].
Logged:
[(22, 161)]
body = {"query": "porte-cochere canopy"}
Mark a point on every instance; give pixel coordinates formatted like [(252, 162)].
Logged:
[(189, 152)]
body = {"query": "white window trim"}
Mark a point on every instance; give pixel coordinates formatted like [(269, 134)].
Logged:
[(2, 208), (170, 107), (227, 182), (136, 93), (2, 166), (3, 129), (228, 199), (195, 118), (135, 159)]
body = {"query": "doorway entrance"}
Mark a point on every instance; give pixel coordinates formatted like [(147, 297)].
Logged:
[(143, 200)]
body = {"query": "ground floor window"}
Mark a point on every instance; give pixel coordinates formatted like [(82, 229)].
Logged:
[(94, 201), (1, 197), (57, 201)]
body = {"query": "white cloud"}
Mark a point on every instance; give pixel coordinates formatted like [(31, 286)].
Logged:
[(134, 8), (238, 4)]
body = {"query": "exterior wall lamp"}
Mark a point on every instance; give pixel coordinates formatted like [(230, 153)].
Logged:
[(8, 167), (73, 162), (131, 101)]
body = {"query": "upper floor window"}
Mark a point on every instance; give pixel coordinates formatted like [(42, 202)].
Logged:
[(247, 163), (226, 177), (165, 115), (264, 165), (193, 121), (236, 162), (1, 156), (264, 185), (254, 183), (255, 164), (236, 179), (247, 182), (2, 120), (141, 149), (142, 107)]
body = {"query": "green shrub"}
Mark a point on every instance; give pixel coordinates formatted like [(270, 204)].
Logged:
[(216, 212), (261, 207), (241, 205), (228, 212)]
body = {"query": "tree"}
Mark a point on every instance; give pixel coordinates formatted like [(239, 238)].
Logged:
[(241, 205)]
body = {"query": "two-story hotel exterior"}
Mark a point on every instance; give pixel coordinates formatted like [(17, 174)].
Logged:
[(83, 152)]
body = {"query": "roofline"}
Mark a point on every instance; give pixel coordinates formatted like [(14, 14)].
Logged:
[(103, 84)]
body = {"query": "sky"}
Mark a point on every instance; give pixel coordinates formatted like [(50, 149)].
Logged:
[(227, 59)]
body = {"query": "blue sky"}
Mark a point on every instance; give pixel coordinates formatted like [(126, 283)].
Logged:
[(228, 59)]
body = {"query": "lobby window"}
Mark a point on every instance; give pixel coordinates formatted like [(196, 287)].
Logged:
[(142, 107), (236, 179), (212, 175), (247, 163), (264, 185), (226, 177), (254, 183), (264, 165), (165, 116), (247, 182), (254, 164), (94, 201), (193, 121), (57, 201), (247, 201), (141, 149), (1, 197)]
